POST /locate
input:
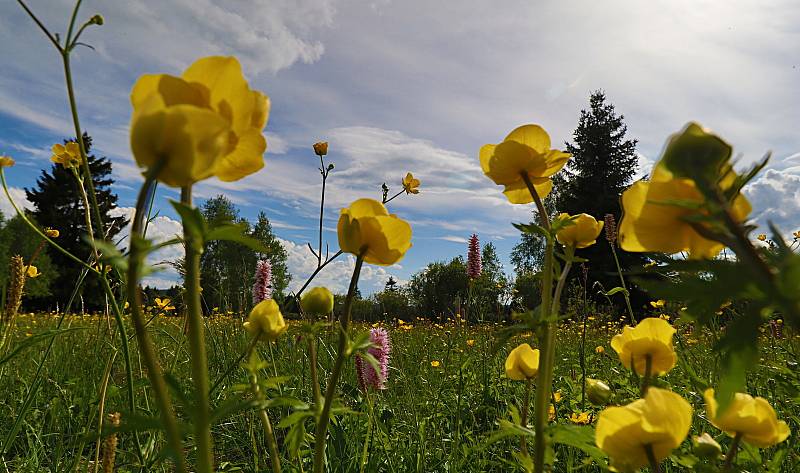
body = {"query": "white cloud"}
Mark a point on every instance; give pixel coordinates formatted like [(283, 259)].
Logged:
[(775, 196), (20, 199)]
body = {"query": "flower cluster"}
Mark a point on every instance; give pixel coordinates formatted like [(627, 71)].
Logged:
[(262, 287), (381, 348), (474, 266)]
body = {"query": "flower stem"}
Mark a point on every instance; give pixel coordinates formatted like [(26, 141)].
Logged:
[(651, 457), (269, 434), (523, 418), (622, 283), (324, 417), (731, 455), (648, 373), (365, 451), (197, 346)]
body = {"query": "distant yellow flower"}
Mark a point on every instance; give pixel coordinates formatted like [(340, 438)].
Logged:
[(551, 413), (366, 228), (522, 363), (599, 349), (33, 272), (410, 184), (68, 155), (660, 421), (435, 363), (51, 232), (762, 237), (796, 234), (321, 148), (6, 161), (651, 337), (752, 418), (208, 122), (664, 317), (266, 321), (164, 304), (582, 233), (317, 301), (407, 327), (524, 152), (470, 343), (658, 304), (582, 418), (653, 223), (400, 321), (557, 396)]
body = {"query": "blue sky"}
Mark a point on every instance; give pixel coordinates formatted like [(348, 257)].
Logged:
[(418, 86)]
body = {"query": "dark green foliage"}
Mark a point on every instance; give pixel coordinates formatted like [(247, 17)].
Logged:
[(57, 203), (17, 238)]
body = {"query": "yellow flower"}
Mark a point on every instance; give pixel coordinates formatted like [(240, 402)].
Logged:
[(470, 343), (651, 221), (762, 237), (33, 272), (321, 148), (557, 396), (525, 152), (435, 364), (6, 161), (366, 228), (751, 417), (551, 413), (582, 418), (599, 349), (205, 123), (164, 304), (582, 233), (266, 321), (317, 301), (68, 155), (796, 234), (51, 232), (660, 421), (658, 304), (410, 184), (651, 337), (522, 363)]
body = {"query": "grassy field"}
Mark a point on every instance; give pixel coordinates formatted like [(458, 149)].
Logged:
[(445, 394)]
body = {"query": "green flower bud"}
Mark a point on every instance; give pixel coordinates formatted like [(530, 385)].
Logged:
[(97, 20), (317, 301), (598, 392), (705, 446)]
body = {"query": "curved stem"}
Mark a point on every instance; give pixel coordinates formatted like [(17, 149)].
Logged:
[(732, 452), (41, 26), (324, 417), (197, 346)]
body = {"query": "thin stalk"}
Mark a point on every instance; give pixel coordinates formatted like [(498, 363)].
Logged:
[(386, 201), (324, 418), (365, 450), (651, 458), (622, 283), (148, 354), (102, 408), (269, 434), (523, 418), (321, 209), (648, 373), (312, 354), (316, 271), (230, 368), (729, 457), (197, 346)]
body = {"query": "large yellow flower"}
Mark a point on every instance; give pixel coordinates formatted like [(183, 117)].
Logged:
[(751, 417), (652, 221), (525, 151), (660, 421), (651, 337), (366, 228), (205, 123), (522, 363), (266, 321), (582, 233)]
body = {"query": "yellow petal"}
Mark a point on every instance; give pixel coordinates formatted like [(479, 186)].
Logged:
[(170, 90), (246, 158), (532, 136)]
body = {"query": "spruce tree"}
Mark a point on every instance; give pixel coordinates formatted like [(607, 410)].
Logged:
[(57, 203), (602, 166)]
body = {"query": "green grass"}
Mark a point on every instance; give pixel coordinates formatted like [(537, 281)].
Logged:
[(429, 418)]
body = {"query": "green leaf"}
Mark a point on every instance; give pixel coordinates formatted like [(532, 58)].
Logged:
[(295, 438), (193, 221), (295, 417), (580, 437), (616, 290), (533, 229)]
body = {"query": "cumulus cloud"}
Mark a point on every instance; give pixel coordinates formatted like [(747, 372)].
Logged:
[(775, 196), (20, 199)]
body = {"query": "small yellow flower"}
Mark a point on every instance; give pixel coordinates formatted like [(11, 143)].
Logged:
[(400, 321), (551, 413), (407, 327), (317, 301), (410, 184), (33, 272), (321, 148), (207, 122), (752, 418), (582, 233), (470, 343), (658, 304), (599, 349), (6, 161), (164, 304), (524, 152), (762, 237), (582, 418), (52, 232), (664, 317), (651, 337), (651, 223), (266, 321), (796, 235), (522, 363), (557, 396), (661, 421), (68, 155), (366, 228), (435, 363)]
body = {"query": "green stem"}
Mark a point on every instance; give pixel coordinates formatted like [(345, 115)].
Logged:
[(148, 354), (197, 346), (365, 450), (651, 458), (732, 452), (622, 283), (321, 209), (523, 418), (648, 373), (269, 434), (324, 418)]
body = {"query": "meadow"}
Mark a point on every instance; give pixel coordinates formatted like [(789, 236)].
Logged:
[(429, 418)]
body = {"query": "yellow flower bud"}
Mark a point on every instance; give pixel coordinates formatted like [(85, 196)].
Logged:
[(6, 161), (321, 148), (33, 272), (317, 301), (751, 417), (582, 233), (51, 232), (366, 228), (522, 363), (266, 321)]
